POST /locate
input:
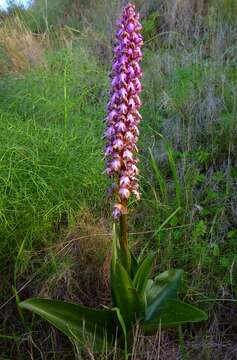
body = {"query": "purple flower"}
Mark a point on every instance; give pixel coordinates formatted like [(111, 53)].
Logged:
[(120, 126), (130, 27), (133, 169), (114, 82), (123, 108), (109, 171), (124, 181), (124, 192), (131, 119), (132, 103), (129, 137), (112, 115), (110, 132), (123, 93), (137, 85), (123, 116), (118, 145), (108, 150), (131, 88), (122, 78), (123, 62), (116, 213), (131, 72), (115, 164), (127, 155)]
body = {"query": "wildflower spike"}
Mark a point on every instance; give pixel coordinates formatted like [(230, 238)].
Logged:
[(123, 116)]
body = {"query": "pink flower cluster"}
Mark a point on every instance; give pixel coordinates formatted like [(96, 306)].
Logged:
[(123, 114)]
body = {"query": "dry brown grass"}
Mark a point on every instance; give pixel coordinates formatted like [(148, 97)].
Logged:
[(88, 272), (21, 47)]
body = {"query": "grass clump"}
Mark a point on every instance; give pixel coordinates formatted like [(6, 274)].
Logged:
[(51, 148)]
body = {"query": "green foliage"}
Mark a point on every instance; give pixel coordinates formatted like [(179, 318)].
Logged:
[(142, 275), (80, 324), (124, 294), (150, 25), (135, 300), (44, 15), (174, 313), (228, 9), (58, 92), (50, 151), (165, 286)]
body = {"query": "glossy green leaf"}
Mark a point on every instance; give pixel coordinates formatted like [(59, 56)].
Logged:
[(119, 254), (125, 296), (174, 313), (149, 284), (142, 275), (79, 323), (134, 264), (164, 287), (123, 328)]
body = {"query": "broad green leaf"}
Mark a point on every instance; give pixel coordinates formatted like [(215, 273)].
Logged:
[(174, 313), (156, 285), (149, 284), (125, 296), (125, 259), (164, 287), (124, 330), (118, 253), (134, 264), (79, 323), (143, 273), (140, 305)]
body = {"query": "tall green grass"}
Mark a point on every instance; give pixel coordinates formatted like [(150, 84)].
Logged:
[(51, 149)]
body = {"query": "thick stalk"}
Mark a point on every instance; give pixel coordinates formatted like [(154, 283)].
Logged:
[(123, 232), (123, 240)]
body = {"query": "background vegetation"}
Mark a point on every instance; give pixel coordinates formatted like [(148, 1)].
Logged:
[(54, 213)]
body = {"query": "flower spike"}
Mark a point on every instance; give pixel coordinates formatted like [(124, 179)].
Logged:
[(123, 116)]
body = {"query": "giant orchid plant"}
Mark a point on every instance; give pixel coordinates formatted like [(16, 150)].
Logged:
[(136, 298)]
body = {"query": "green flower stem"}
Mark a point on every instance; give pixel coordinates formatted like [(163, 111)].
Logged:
[(124, 231), (123, 240)]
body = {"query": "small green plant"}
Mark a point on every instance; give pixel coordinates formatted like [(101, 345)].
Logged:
[(137, 298)]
